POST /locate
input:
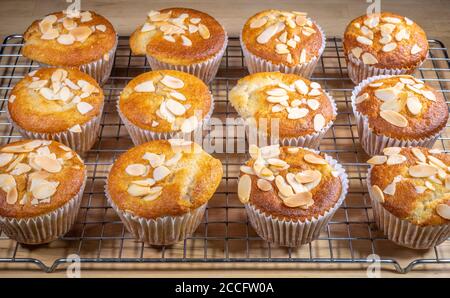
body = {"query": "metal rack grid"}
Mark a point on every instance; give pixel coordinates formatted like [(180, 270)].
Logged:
[(225, 235)]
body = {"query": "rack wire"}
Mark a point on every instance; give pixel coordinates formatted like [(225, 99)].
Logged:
[(225, 238)]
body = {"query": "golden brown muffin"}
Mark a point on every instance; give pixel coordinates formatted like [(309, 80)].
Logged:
[(289, 183), (163, 178), (62, 39), (413, 184), (37, 177), (165, 101), (51, 100), (179, 36), (301, 106), (386, 41), (282, 37), (402, 107)]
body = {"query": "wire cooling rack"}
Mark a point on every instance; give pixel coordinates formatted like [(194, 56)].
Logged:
[(225, 238)]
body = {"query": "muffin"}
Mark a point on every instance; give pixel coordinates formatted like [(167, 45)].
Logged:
[(181, 39), (397, 111), (83, 40), (290, 193), (289, 42), (383, 44), (163, 104), (62, 104), (283, 107), (42, 185), (160, 189), (410, 192)]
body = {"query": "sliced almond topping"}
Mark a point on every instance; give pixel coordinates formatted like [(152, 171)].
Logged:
[(186, 41), (418, 153), (49, 164), (264, 185), (11, 196), (308, 176), (394, 118), (302, 199), (422, 171), (362, 98), (190, 124), (47, 93), (172, 82), (390, 189), (195, 20), (81, 33), (429, 95), (12, 98), (155, 160), (314, 92), (136, 169), (443, 210), (302, 58), (101, 28), (297, 113), (153, 196), (369, 59), (284, 188), (364, 40), (174, 160), (269, 32), (86, 16), (415, 49), (386, 39), (391, 150), (313, 104), (402, 34), (277, 162), (387, 94), (377, 160), (84, 107), (357, 52), (76, 128), (50, 34), (293, 150), (5, 158), (137, 190), (437, 162), (175, 107), (247, 170), (169, 38), (313, 159), (192, 29), (146, 86), (254, 151), (377, 193), (244, 188), (395, 159), (66, 39), (160, 173), (300, 20), (389, 47), (20, 168), (258, 23), (277, 92), (301, 87), (319, 122), (148, 27), (414, 105), (203, 31)]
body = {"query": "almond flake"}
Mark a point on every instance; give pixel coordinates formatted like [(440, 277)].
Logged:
[(146, 86), (5, 158), (394, 118), (76, 128), (357, 52), (247, 170), (437, 162), (293, 150), (302, 199), (169, 38), (101, 28), (302, 58), (281, 49), (415, 49), (276, 92), (152, 196), (409, 22), (361, 98), (20, 168), (377, 160), (277, 99), (377, 194), (422, 171), (402, 34), (319, 122), (284, 188), (292, 43), (258, 23), (148, 27), (313, 104), (297, 113), (364, 40), (385, 39), (50, 34), (175, 107), (414, 105), (264, 185), (66, 39), (244, 188), (314, 92), (49, 164), (204, 32), (418, 153), (190, 124), (136, 169), (160, 173), (390, 189), (12, 98), (369, 59), (389, 47), (195, 20), (269, 32), (391, 20), (308, 176), (443, 210), (11, 196), (301, 87), (86, 16), (395, 159), (277, 162), (186, 41), (172, 82), (47, 93), (313, 159), (429, 95), (137, 190), (84, 107)]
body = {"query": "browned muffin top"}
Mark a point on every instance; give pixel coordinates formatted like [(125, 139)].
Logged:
[(386, 40), (413, 184), (302, 107), (163, 178), (179, 36), (69, 39), (37, 177), (282, 37), (289, 183), (51, 100), (402, 107)]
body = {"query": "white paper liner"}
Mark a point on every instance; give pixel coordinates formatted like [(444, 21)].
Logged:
[(164, 230), (139, 135), (311, 141), (403, 232), (100, 69), (47, 227), (295, 232), (374, 144), (78, 141), (205, 70), (256, 64), (358, 71)]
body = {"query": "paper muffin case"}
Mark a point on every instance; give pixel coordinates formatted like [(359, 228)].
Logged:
[(311, 141), (47, 227), (403, 232), (140, 135), (358, 71), (295, 232), (100, 69), (78, 141), (373, 143), (164, 230), (256, 64), (205, 70)]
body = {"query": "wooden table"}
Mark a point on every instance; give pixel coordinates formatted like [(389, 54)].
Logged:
[(332, 15)]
